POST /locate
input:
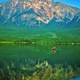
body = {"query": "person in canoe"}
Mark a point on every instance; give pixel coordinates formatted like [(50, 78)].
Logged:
[(53, 50)]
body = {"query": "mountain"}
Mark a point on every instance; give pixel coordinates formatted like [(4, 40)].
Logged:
[(37, 13)]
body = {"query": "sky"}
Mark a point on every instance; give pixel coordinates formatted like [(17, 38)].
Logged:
[(74, 3)]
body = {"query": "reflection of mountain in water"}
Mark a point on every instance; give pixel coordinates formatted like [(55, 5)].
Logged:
[(37, 12)]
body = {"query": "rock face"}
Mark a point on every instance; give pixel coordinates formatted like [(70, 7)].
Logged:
[(35, 12)]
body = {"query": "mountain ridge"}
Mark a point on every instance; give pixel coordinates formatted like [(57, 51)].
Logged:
[(29, 14)]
